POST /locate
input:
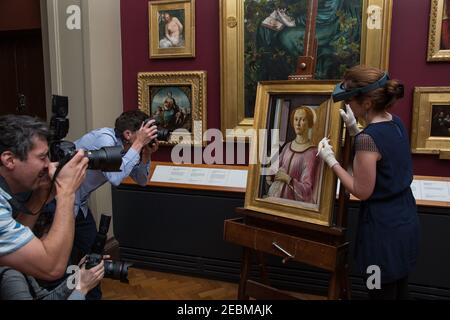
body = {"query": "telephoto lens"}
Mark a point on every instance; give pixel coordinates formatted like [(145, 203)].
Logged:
[(107, 159), (117, 270)]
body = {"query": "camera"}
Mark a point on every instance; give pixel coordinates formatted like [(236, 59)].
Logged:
[(104, 159), (163, 133), (117, 270)]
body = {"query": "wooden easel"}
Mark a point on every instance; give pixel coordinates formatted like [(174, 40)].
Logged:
[(319, 246), (306, 64)]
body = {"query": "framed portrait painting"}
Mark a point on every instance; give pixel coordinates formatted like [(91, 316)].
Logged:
[(172, 28), (290, 181), (263, 40), (177, 101), (439, 32), (431, 120)]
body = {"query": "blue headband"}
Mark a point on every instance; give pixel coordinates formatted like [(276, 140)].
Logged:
[(340, 93)]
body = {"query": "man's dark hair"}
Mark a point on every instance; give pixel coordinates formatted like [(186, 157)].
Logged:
[(17, 133), (130, 120)]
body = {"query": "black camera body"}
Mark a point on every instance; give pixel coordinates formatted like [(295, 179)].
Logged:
[(117, 270), (105, 159), (163, 133)]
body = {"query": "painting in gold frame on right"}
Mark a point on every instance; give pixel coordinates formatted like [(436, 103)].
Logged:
[(439, 33), (431, 120)]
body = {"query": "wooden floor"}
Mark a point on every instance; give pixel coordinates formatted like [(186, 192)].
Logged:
[(151, 285)]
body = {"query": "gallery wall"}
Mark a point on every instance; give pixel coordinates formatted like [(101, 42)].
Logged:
[(408, 63)]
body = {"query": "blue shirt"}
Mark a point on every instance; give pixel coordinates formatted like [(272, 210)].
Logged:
[(131, 166), (13, 235)]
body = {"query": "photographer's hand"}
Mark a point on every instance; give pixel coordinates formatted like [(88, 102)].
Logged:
[(144, 135), (71, 175), (90, 278)]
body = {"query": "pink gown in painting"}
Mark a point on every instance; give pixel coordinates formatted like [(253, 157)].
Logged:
[(302, 168)]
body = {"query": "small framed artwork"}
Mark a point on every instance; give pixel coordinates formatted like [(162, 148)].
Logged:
[(177, 101), (439, 33), (431, 120), (172, 28), (291, 181)]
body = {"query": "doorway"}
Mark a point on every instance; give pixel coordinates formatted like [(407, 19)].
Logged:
[(22, 78)]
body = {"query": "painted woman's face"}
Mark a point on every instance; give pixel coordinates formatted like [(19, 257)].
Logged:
[(300, 122)]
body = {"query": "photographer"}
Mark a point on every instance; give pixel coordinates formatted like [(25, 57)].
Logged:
[(25, 166), (15, 285), (134, 136)]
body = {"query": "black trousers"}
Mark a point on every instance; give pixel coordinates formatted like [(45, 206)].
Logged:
[(397, 290)]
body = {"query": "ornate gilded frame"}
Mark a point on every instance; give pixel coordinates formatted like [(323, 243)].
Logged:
[(188, 50), (196, 80), (375, 46), (322, 213), (422, 140), (435, 53)]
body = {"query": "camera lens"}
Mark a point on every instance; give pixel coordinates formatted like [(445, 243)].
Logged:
[(163, 134), (117, 270), (105, 159)]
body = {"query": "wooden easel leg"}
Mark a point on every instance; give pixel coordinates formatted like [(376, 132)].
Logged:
[(262, 269), (245, 269), (339, 284), (334, 287), (346, 290)]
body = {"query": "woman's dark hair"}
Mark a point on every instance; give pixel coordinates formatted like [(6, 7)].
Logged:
[(17, 133), (130, 120), (382, 98)]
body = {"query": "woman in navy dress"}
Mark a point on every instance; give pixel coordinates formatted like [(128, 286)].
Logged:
[(388, 228)]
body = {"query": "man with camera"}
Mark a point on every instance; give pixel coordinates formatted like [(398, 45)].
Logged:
[(137, 135), (25, 166)]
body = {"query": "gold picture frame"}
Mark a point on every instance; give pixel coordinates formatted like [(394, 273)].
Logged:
[(438, 39), (171, 29), (177, 100), (310, 195), (374, 51), (431, 121)]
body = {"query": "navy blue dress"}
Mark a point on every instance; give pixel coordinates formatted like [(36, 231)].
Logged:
[(388, 227)]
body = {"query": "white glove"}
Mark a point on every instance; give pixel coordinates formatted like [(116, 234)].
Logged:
[(325, 152), (350, 121)]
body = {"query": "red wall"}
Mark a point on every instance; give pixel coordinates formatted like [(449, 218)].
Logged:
[(407, 61), (20, 15)]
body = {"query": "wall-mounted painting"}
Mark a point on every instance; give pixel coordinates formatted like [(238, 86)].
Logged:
[(439, 33), (176, 100), (172, 28), (431, 120), (263, 40), (291, 181)]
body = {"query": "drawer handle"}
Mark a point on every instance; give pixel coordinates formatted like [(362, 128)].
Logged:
[(289, 256)]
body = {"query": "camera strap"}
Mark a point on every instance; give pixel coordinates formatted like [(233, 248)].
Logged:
[(16, 205)]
